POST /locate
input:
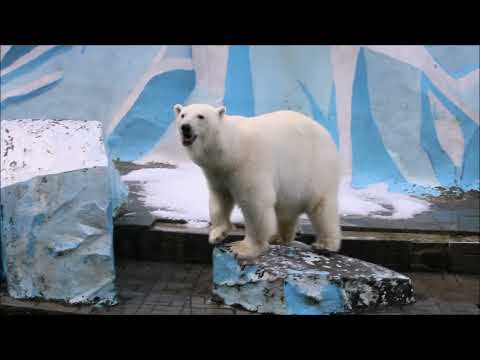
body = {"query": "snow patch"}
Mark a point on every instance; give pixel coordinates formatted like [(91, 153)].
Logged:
[(182, 193)]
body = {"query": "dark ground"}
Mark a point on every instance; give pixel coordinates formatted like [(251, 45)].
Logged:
[(156, 288)]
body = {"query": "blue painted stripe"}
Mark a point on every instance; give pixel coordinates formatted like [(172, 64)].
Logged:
[(456, 60), (444, 169), (28, 96), (238, 84), (148, 119), (468, 176), (464, 72), (31, 65), (330, 122), (332, 115), (15, 52), (371, 162)]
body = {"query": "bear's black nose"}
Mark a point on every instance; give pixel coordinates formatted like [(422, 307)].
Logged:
[(186, 129)]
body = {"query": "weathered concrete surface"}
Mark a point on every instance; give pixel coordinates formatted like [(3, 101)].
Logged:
[(58, 197), (294, 280)]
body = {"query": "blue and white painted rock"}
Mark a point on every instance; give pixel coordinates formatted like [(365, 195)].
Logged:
[(58, 196), (294, 280)]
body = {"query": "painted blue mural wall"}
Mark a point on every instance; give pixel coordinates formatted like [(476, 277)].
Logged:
[(407, 116)]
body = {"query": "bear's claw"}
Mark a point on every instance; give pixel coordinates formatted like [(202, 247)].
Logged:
[(244, 250), (218, 234)]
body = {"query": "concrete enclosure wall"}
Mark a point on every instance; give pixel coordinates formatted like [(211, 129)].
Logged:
[(407, 116)]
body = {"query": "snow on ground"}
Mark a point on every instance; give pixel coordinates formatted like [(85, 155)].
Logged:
[(182, 193), (375, 200)]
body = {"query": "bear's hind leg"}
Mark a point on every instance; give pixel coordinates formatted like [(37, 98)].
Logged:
[(221, 206), (326, 223), (287, 228)]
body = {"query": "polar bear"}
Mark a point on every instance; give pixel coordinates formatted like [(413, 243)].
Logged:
[(274, 166)]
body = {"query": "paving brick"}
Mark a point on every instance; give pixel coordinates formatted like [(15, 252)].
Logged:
[(145, 309), (458, 308), (197, 311), (197, 300), (209, 306), (210, 311), (127, 293), (125, 309), (428, 306), (140, 286), (391, 310), (203, 289), (134, 300), (166, 310), (470, 286), (159, 287), (158, 299), (180, 300), (179, 286)]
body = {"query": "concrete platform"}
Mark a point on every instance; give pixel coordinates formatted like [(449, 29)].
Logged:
[(400, 251), (453, 212)]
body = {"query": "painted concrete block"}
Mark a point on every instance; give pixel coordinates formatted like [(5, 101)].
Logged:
[(58, 196), (293, 280)]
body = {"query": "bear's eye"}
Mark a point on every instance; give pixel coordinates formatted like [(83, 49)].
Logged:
[(201, 117), (182, 116)]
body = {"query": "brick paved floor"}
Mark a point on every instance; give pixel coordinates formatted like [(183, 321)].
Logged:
[(154, 288)]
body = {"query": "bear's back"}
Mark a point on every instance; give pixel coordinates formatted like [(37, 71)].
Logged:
[(283, 121)]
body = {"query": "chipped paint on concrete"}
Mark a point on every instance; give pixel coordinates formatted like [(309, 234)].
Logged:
[(313, 296), (292, 280), (32, 148), (57, 237)]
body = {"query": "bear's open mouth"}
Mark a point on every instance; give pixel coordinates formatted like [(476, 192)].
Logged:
[(187, 141)]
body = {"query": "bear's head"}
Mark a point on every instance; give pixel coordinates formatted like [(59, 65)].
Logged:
[(198, 123)]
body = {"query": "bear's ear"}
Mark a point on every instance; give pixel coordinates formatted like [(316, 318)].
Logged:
[(221, 111), (177, 108)]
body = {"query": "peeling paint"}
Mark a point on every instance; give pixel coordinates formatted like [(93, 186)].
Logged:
[(290, 280), (57, 211)]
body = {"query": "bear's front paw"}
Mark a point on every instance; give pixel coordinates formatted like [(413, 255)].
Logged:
[(218, 234), (245, 250), (326, 247)]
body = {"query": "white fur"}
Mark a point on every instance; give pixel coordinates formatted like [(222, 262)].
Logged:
[(274, 167)]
